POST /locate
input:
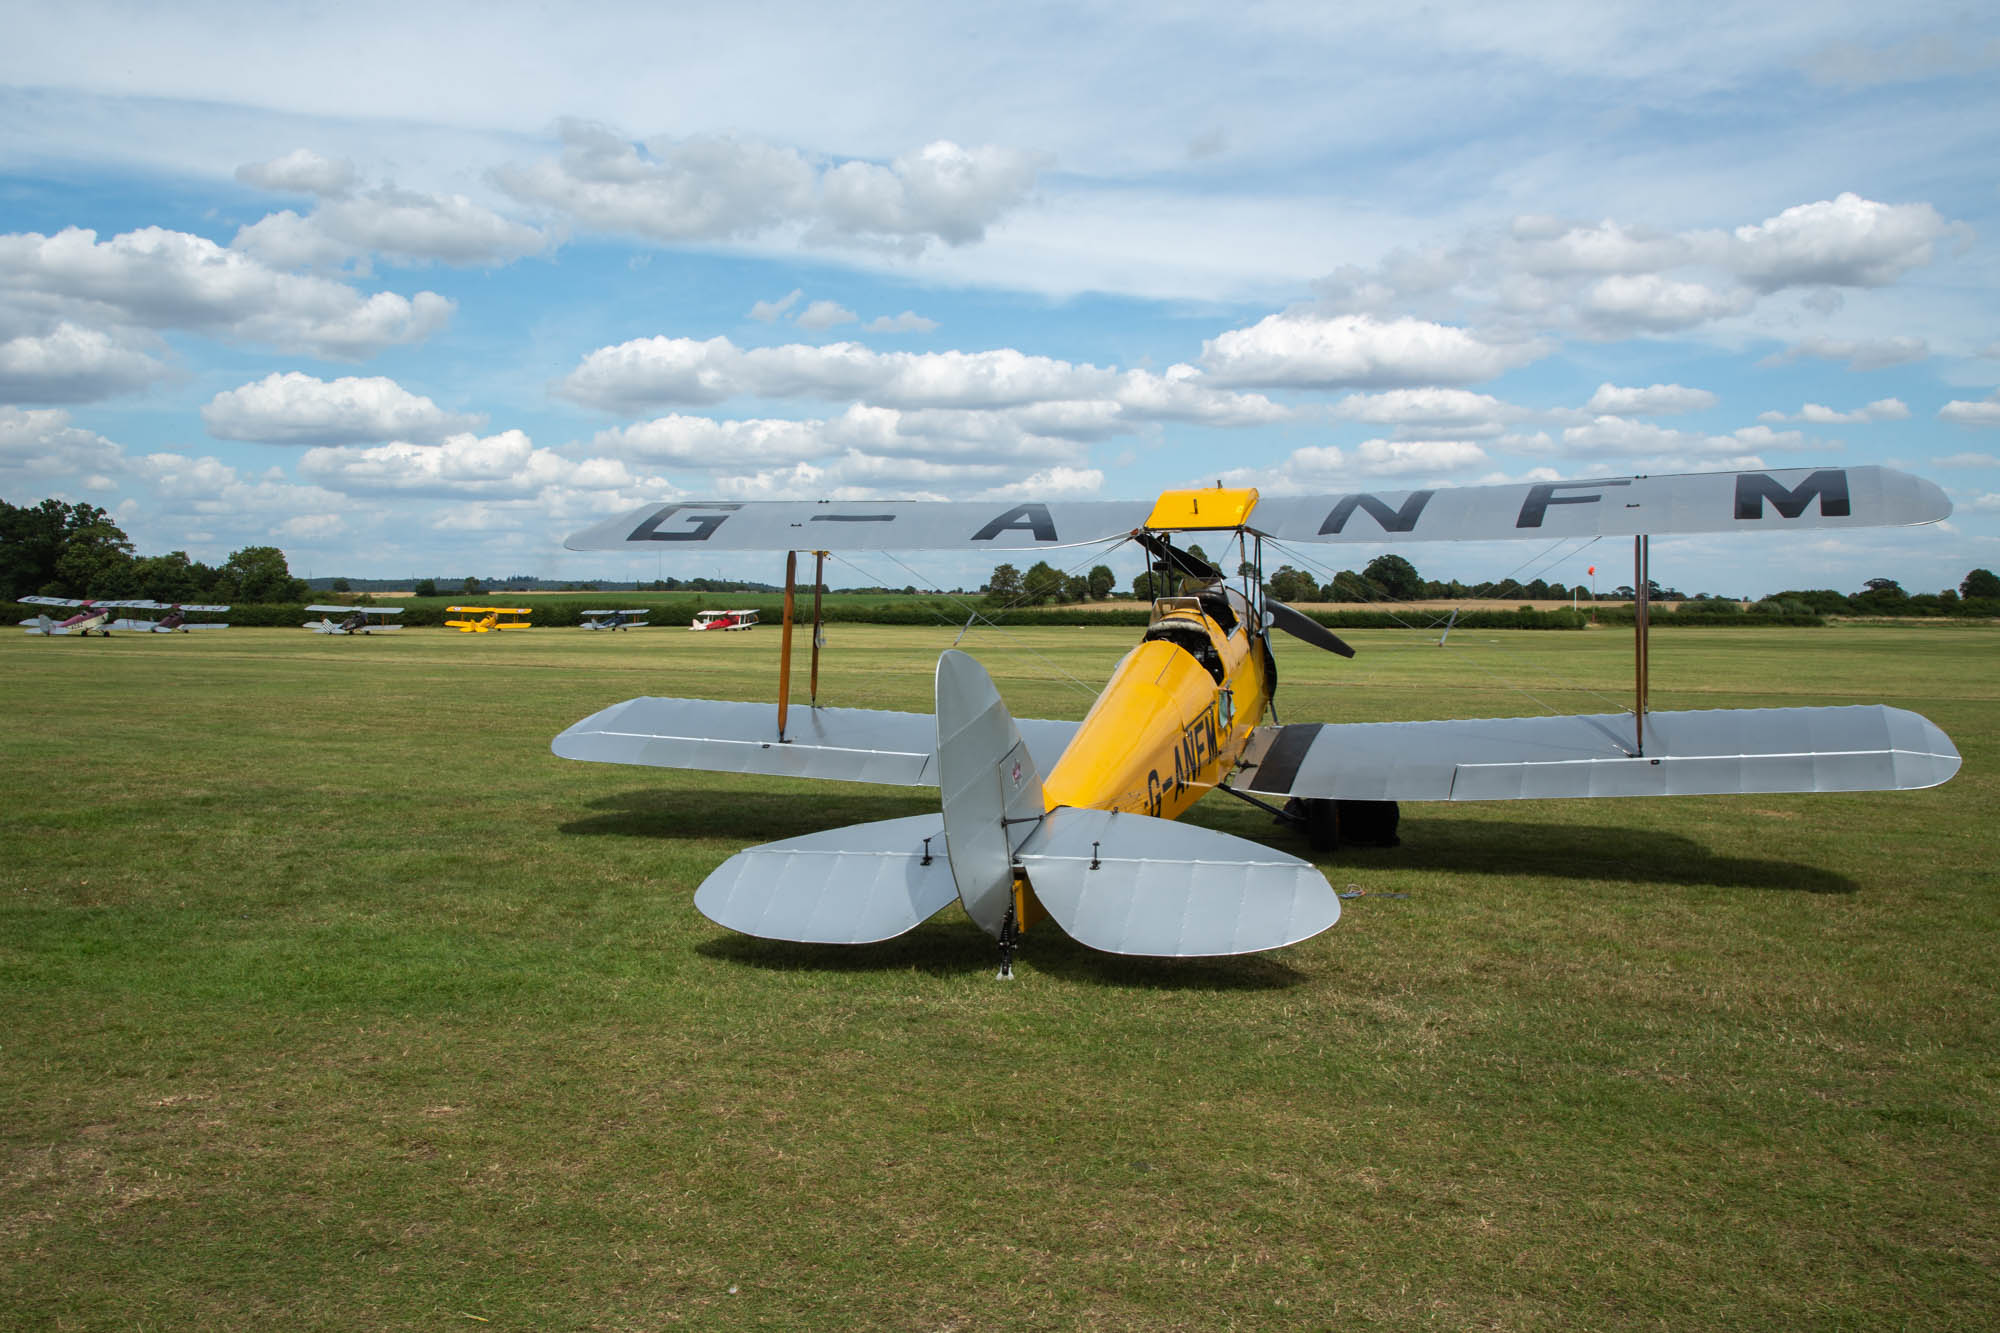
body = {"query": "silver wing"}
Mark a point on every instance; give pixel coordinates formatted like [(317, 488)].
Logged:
[(850, 744), (1706, 753), (1592, 507), (1611, 507)]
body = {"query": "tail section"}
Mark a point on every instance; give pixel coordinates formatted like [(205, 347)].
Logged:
[(1132, 884), (992, 791), (852, 885)]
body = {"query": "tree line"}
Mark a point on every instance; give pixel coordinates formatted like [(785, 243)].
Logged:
[(1393, 579), (54, 549)]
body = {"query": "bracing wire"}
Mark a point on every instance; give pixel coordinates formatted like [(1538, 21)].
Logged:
[(1543, 559), (974, 614)]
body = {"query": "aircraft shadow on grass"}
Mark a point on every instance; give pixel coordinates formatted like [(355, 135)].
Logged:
[(1443, 846), (1592, 852)]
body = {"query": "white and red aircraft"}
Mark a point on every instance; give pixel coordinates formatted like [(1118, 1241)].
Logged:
[(93, 615), (706, 620), (1092, 845)]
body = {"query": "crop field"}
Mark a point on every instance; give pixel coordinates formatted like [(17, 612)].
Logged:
[(334, 1001)]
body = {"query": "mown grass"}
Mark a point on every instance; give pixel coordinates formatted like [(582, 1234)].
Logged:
[(335, 1001)]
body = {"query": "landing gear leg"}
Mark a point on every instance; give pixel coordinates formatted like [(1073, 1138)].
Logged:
[(1010, 938)]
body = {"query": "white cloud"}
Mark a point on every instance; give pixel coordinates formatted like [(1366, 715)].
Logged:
[(825, 315), (1623, 438), (70, 364), (652, 372), (1356, 351), (1868, 354), (301, 171), (1403, 458), (1988, 503), (1815, 414), (155, 278), (296, 408), (505, 466), (1649, 301), (941, 190), (1426, 407), (709, 445), (401, 225), (1983, 413), (1654, 400), (718, 187), (769, 312), (1966, 460), (1607, 248), (907, 322), (1844, 242), (38, 447)]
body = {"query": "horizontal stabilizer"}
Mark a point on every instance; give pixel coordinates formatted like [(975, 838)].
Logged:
[(719, 736), (852, 885), (1128, 883), (1701, 753)]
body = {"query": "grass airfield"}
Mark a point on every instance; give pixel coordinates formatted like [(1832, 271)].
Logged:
[(335, 1001)]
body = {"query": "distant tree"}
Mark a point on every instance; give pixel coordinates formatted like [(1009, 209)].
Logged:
[(342, 585), (1076, 588), (1889, 586), (172, 577), (1396, 577), (259, 574), (1042, 583), (1148, 586), (471, 585), (1292, 585), (1102, 582), (31, 541), (1980, 583), (96, 559), (1199, 554), (1004, 585), (1817, 601), (1348, 586), (425, 588)]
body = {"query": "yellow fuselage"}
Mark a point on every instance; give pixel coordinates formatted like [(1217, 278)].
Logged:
[(1165, 730)]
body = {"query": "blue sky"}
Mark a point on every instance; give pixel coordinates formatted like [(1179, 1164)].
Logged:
[(420, 290)]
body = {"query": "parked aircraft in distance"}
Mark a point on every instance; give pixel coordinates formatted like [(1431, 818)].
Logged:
[(486, 619), (97, 615), (1091, 845), (630, 619), (706, 620), (353, 619), (175, 619)]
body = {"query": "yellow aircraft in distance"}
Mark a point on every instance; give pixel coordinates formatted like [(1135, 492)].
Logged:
[(1092, 844), (487, 618)]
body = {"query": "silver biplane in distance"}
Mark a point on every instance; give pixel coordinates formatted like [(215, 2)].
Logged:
[(353, 619), (630, 618), (1091, 844), (175, 621)]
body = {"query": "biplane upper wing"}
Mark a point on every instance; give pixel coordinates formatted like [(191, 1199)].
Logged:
[(1592, 507), (1699, 753), (347, 610), (1611, 507), (720, 736)]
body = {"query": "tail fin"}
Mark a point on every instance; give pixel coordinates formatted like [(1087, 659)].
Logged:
[(992, 791)]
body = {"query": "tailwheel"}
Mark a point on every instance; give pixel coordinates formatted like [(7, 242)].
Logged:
[(1010, 939), (1318, 819)]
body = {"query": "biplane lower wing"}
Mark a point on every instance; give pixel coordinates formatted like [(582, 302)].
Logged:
[(1128, 883), (853, 885), (719, 736), (1712, 752)]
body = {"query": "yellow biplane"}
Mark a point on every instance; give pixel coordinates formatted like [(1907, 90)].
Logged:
[(1092, 845), (486, 619)]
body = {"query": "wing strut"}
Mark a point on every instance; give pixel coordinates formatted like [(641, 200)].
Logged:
[(819, 581), (1641, 623), (785, 642)]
